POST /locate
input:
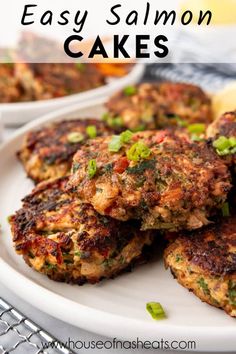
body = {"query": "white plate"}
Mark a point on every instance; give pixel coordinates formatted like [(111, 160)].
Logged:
[(24, 112), (114, 308)]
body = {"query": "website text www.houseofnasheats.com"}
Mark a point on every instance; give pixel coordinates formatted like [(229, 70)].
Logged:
[(115, 344)]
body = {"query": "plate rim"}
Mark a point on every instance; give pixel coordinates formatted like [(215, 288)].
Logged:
[(113, 325)]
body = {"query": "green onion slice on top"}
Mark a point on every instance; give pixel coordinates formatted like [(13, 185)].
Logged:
[(156, 310), (113, 122), (75, 137), (138, 151), (91, 131), (126, 136), (117, 141), (115, 144), (197, 128), (92, 168), (130, 90), (225, 146)]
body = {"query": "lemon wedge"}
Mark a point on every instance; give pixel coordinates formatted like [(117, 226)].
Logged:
[(223, 12), (224, 100)]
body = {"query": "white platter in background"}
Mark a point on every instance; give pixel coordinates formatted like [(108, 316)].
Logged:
[(114, 308), (23, 112)]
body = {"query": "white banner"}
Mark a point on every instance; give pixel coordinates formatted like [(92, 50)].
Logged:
[(89, 30)]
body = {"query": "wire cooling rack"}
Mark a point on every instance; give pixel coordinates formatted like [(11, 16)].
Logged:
[(19, 335)]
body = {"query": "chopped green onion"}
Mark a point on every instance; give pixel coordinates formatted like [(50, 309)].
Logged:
[(232, 141), (126, 136), (91, 131), (225, 146), (225, 209), (113, 122), (75, 137), (156, 310), (139, 128), (92, 168), (138, 151), (115, 143), (80, 66), (196, 128), (195, 137), (130, 90), (221, 143), (180, 122)]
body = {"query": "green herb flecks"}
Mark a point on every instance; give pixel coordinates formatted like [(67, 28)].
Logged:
[(31, 255), (82, 254), (141, 181), (203, 285), (225, 209), (108, 167), (178, 258), (232, 292), (50, 266), (141, 167), (50, 160), (75, 167), (108, 263)]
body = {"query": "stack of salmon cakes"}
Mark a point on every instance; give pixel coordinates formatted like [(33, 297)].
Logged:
[(156, 164)]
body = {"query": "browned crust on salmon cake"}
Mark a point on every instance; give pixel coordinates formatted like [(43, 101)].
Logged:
[(204, 262), (68, 241), (160, 105), (47, 152), (177, 186)]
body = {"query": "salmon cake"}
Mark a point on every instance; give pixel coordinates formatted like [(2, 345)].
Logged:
[(164, 179), (204, 262), (158, 105), (47, 152), (51, 80), (68, 241)]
